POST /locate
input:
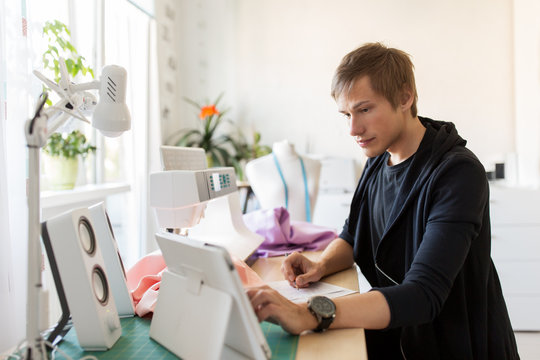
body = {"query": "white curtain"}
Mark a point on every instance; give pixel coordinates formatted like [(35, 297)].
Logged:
[(14, 110), (133, 47), (131, 38)]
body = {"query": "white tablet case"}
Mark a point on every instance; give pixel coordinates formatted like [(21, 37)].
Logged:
[(202, 310)]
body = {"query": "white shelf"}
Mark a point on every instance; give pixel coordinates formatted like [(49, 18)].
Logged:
[(515, 246)]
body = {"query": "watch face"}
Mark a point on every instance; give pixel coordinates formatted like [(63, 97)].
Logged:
[(323, 306)]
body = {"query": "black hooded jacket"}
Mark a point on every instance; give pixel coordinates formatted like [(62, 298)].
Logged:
[(433, 261)]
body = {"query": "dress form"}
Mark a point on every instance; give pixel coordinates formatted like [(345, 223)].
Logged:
[(268, 185)]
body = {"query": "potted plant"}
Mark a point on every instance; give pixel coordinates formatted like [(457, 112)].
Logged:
[(63, 149), (62, 162), (222, 149), (218, 147)]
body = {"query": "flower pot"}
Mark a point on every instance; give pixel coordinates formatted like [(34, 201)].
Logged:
[(209, 161), (61, 172)]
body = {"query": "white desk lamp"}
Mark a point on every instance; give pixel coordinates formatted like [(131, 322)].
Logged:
[(111, 117)]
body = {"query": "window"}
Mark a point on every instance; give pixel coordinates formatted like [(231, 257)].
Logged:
[(111, 32)]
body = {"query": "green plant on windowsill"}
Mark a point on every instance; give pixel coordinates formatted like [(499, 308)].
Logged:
[(59, 45), (62, 162), (63, 149)]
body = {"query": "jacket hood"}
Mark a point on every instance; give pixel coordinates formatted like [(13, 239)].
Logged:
[(445, 138), (439, 138)]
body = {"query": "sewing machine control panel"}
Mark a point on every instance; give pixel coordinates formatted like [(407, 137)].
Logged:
[(219, 181)]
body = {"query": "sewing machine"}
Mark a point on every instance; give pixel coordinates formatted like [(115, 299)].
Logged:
[(203, 202), (202, 310)]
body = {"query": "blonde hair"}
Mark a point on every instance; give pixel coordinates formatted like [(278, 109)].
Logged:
[(390, 72)]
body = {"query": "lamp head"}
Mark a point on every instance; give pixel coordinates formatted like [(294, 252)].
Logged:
[(111, 115)]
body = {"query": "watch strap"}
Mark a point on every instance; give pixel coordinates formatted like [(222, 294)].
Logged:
[(323, 323)]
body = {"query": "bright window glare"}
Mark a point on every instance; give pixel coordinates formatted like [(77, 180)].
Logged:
[(40, 12), (85, 34)]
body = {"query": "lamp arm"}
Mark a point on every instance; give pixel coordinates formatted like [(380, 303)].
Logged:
[(58, 114), (59, 119), (44, 123), (92, 85), (51, 84)]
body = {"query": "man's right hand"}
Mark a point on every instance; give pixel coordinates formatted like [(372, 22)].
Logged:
[(299, 271)]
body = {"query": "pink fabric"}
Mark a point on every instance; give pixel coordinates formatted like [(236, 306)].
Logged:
[(144, 279), (282, 235)]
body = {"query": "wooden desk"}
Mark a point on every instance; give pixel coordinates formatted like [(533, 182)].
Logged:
[(332, 344)]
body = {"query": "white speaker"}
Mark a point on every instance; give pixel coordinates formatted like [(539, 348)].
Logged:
[(113, 261), (72, 245)]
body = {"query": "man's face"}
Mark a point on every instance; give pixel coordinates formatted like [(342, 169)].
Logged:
[(373, 123)]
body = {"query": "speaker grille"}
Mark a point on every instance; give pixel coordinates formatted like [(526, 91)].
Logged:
[(87, 236), (100, 285)]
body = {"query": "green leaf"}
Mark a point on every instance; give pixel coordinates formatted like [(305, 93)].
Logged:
[(59, 37), (54, 49), (70, 65), (68, 145), (187, 137), (219, 98), (189, 101)]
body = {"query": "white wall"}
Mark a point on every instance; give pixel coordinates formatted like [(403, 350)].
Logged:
[(205, 54), (287, 52), (477, 65), (527, 89)]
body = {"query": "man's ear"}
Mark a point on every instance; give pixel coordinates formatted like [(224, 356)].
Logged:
[(406, 99)]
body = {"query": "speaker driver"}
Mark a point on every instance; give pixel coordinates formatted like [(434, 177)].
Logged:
[(100, 285), (86, 236)]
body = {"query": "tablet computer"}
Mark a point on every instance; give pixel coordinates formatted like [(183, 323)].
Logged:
[(205, 274)]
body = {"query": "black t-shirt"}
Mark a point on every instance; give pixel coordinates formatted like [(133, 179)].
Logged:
[(382, 194)]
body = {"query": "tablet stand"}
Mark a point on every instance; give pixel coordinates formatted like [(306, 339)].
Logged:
[(202, 311)]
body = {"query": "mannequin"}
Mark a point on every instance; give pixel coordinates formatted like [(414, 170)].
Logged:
[(287, 189)]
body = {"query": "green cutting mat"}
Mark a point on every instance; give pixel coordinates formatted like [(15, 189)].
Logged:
[(282, 344), (136, 344)]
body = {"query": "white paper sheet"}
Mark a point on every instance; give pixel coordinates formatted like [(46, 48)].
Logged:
[(303, 294)]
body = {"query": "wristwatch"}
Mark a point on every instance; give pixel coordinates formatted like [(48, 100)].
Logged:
[(324, 311)]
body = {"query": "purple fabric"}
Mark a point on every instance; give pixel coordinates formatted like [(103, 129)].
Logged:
[(282, 235)]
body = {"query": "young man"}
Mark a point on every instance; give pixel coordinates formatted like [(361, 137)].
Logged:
[(418, 227)]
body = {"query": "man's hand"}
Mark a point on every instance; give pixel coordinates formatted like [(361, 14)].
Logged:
[(271, 306), (299, 271)]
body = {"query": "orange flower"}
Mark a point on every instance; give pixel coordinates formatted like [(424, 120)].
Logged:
[(208, 111)]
